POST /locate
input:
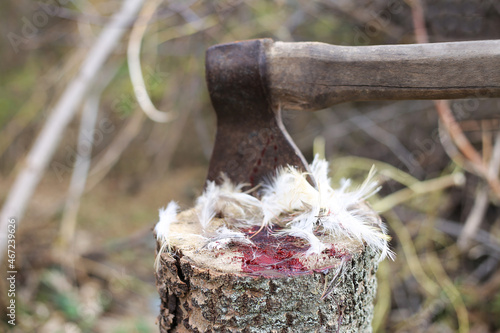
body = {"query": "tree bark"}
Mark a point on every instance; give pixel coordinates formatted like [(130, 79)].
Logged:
[(209, 293)]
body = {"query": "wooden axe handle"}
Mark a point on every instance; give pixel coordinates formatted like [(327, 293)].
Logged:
[(313, 76)]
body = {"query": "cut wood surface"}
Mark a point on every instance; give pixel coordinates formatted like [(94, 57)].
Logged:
[(267, 287)]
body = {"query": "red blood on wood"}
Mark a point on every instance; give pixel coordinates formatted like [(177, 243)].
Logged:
[(272, 252)]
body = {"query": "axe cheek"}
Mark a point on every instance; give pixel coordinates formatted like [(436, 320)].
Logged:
[(251, 141)]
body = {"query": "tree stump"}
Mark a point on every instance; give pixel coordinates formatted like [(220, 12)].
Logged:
[(267, 287)]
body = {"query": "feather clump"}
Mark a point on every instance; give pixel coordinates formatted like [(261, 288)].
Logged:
[(296, 208), (323, 210)]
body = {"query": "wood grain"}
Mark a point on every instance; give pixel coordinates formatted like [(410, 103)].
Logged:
[(313, 76)]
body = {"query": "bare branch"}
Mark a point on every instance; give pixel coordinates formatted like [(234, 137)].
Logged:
[(82, 161), (64, 110)]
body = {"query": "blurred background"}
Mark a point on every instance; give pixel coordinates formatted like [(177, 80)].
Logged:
[(84, 245)]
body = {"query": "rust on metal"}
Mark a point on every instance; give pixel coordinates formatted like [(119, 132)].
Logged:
[(251, 141)]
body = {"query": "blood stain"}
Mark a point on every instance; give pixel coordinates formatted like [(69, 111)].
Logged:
[(272, 253)]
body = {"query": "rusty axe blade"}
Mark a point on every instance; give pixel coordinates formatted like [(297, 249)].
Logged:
[(251, 140), (251, 81)]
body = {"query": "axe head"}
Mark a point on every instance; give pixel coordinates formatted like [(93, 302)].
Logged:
[(251, 141)]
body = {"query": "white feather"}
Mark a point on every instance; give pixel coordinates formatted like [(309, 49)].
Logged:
[(358, 225), (368, 188), (206, 204), (234, 192), (233, 203), (289, 191), (224, 236), (319, 170), (307, 220), (166, 217), (342, 215), (315, 245)]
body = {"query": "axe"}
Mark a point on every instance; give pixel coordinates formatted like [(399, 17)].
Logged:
[(250, 82)]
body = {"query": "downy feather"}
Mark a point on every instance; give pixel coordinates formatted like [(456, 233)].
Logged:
[(224, 236), (206, 204), (315, 245), (166, 217), (241, 206), (289, 191)]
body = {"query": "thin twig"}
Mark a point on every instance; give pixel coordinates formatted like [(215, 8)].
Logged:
[(163, 158), (419, 188), (486, 140), (451, 150), (388, 139), (109, 158), (377, 116), (484, 269), (382, 306), (187, 29), (457, 135), (482, 237), (481, 125), (363, 15), (476, 215), (385, 169), (418, 18), (412, 258), (134, 65), (452, 293)]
